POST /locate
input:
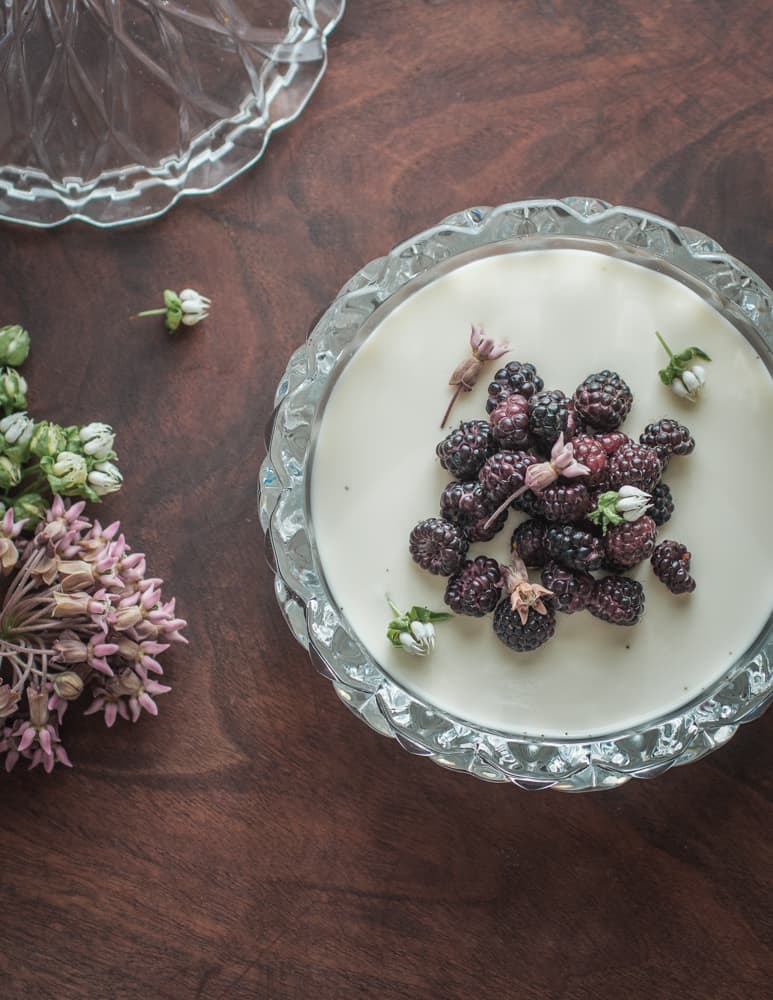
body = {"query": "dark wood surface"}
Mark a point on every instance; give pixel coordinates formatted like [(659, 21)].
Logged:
[(255, 840)]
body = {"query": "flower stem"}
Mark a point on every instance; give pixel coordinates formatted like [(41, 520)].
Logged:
[(149, 312), (450, 405), (667, 349)]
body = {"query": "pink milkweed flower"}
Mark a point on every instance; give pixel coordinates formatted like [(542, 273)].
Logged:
[(466, 374), (39, 738)]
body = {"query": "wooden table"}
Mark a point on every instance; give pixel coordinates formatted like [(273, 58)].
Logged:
[(255, 840)]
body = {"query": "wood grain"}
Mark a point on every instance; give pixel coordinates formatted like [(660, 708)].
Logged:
[(255, 840)]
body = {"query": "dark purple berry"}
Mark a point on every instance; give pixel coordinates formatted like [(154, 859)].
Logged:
[(516, 378), (574, 547), (590, 452), (667, 437), (671, 564), (603, 400), (610, 441), (618, 600), (564, 501), (571, 589), (465, 449), (634, 465), (662, 504), (438, 546), (551, 414), (476, 589), (510, 423), (630, 543), (504, 474), (520, 637), (528, 541)]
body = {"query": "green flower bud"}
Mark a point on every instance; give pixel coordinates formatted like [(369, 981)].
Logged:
[(14, 345), (47, 439), (10, 473), (66, 473), (13, 390), (32, 506)]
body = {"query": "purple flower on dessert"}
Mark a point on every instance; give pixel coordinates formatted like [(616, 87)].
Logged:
[(466, 373), (541, 474)]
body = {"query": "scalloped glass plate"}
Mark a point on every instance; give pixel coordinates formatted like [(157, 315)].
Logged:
[(110, 112), (741, 694)]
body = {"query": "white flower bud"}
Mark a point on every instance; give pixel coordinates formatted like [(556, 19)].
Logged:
[(689, 384), (195, 306), (420, 640), (17, 428), (633, 503), (105, 478), (97, 440)]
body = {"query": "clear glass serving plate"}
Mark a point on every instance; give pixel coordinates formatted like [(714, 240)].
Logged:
[(111, 110), (696, 729)]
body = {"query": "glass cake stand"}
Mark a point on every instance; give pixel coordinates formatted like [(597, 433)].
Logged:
[(111, 111), (741, 694)]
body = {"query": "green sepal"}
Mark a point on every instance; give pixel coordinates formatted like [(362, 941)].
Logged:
[(686, 356), (425, 616), (606, 512), (174, 310)]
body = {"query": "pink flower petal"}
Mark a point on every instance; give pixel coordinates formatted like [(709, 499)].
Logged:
[(27, 738), (147, 703), (44, 738)]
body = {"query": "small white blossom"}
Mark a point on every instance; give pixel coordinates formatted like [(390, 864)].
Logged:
[(105, 478), (690, 383), (419, 639), (195, 306), (97, 440), (633, 502), (17, 428)]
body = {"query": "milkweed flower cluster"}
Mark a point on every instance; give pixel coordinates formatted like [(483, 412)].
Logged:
[(81, 621)]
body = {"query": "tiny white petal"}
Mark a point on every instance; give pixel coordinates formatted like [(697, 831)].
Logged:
[(700, 373), (422, 631), (409, 644), (633, 491), (691, 383), (678, 386)]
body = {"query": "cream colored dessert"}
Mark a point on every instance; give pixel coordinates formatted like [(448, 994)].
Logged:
[(375, 475)]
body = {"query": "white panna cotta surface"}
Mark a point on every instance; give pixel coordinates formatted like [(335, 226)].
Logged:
[(375, 475)]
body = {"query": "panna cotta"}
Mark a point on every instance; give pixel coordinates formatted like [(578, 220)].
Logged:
[(374, 475)]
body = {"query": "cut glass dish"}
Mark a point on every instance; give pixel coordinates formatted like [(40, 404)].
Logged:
[(109, 112), (644, 751)]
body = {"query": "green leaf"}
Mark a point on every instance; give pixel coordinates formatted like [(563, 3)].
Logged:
[(605, 513)]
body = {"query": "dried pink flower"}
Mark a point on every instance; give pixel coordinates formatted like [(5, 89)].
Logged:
[(466, 373)]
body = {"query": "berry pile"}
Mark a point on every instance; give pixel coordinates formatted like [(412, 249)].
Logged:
[(593, 496)]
